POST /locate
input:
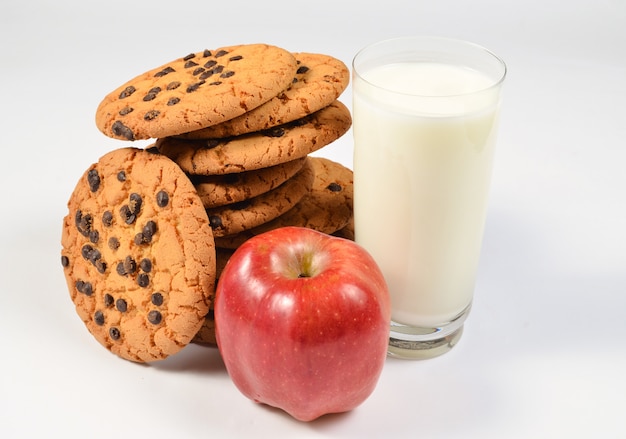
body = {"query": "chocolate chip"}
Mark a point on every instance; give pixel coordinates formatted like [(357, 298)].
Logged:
[(302, 69), (65, 261), (140, 239), (211, 143), (334, 187), (127, 215), (221, 53), (194, 87), (143, 280), (197, 71), (101, 266), (210, 64), (98, 318), (121, 305), (107, 218), (90, 253), (84, 287), (121, 130), (173, 85), (94, 256), (172, 101), (157, 299), (151, 115), (190, 64), (126, 110), (227, 74), (94, 236), (152, 94), (206, 53), (93, 178), (146, 265), (150, 229), (235, 58), (155, 317), (274, 132), (162, 198), (83, 223), (216, 83), (135, 202), (215, 221), (127, 266), (114, 243), (121, 176), (130, 266), (108, 300), (114, 333), (206, 74), (127, 92), (190, 56), (164, 72)]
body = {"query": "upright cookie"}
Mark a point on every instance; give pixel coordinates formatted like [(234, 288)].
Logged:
[(196, 91), (235, 218), (262, 149), (328, 207), (319, 81), (138, 255), (218, 190)]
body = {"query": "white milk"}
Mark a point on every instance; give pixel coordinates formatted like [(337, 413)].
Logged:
[(422, 169)]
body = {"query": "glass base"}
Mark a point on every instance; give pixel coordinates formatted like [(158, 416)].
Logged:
[(413, 343)]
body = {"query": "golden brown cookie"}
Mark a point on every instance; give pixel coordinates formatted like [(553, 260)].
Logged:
[(319, 80), (235, 218), (262, 149), (196, 91), (138, 255), (218, 190), (328, 207)]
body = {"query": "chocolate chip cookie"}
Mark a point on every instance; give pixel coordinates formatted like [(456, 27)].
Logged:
[(261, 149), (196, 91), (138, 255), (219, 190)]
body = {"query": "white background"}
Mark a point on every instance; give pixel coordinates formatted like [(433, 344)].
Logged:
[(544, 351)]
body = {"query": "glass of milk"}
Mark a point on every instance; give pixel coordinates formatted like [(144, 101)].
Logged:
[(425, 117)]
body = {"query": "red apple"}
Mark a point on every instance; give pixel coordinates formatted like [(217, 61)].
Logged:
[(302, 321)]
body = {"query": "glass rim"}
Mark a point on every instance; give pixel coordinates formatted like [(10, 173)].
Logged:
[(496, 82)]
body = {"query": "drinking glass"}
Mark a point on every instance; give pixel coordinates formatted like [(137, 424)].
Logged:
[(425, 119)]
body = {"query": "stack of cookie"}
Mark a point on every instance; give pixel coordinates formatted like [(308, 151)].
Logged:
[(240, 124)]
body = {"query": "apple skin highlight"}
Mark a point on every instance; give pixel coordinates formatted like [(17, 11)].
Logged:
[(302, 321)]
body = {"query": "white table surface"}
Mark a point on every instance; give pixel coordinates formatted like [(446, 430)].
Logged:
[(544, 350)]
